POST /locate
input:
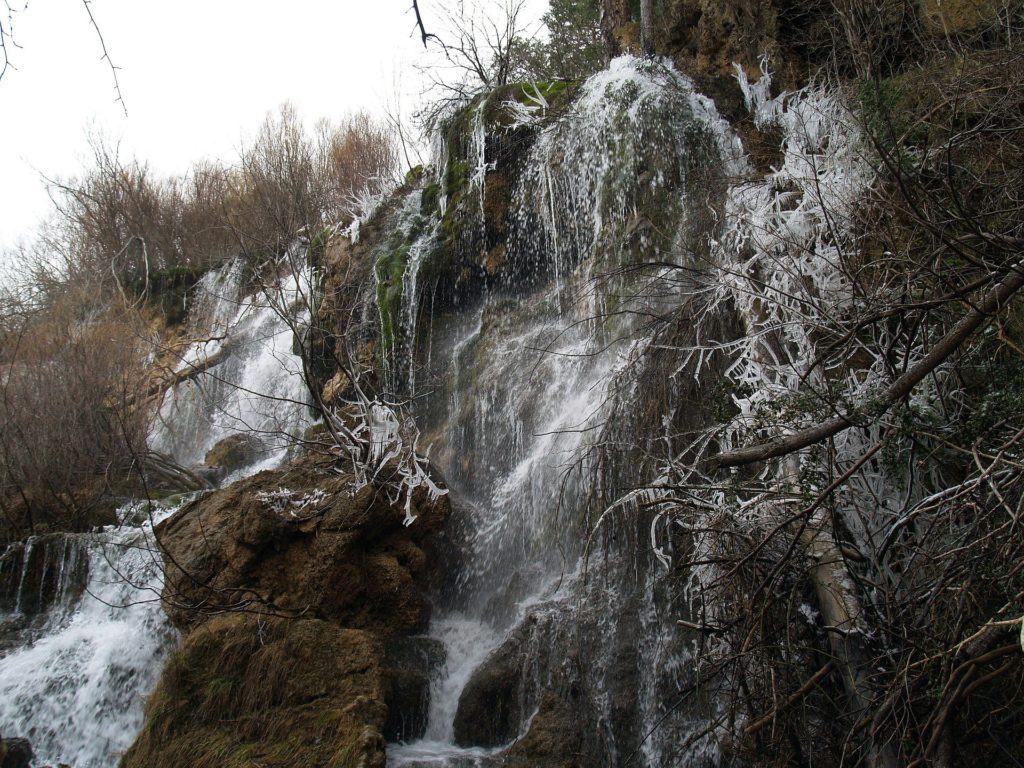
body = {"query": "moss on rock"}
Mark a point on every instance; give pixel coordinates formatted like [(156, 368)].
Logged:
[(261, 691)]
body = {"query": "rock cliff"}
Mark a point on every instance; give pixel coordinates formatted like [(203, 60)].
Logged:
[(298, 595)]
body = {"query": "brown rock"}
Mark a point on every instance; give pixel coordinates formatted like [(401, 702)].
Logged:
[(300, 542), (252, 690), (290, 585), (335, 388), (233, 452)]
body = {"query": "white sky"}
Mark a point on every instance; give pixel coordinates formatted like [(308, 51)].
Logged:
[(197, 76)]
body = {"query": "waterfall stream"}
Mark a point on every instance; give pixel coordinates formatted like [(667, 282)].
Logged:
[(616, 218), (252, 379), (521, 388), (82, 635), (86, 651)]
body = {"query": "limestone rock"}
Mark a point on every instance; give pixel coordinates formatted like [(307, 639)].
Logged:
[(299, 542), (265, 691)]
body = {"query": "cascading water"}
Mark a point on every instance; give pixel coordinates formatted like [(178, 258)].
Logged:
[(520, 389), (82, 633), (249, 380), (91, 643)]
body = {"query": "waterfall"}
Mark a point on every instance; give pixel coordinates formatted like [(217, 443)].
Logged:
[(518, 393), (83, 652), (249, 378), (82, 634)]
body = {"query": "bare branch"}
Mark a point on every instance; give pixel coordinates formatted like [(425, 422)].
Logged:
[(975, 318), (106, 56)]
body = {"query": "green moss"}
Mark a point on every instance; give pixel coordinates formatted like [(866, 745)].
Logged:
[(555, 92), (430, 200), (526, 93), (456, 178), (256, 692), (414, 175), (389, 270), (318, 246)]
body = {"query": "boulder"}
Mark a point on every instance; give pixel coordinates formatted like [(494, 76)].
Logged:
[(15, 753), (258, 690), (410, 663), (296, 591), (233, 453), (301, 542), (505, 690), (491, 707)]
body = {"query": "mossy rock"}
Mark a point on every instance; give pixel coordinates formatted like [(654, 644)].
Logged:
[(257, 690)]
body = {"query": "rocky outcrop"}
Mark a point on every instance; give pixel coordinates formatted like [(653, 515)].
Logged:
[(232, 453), (15, 753), (298, 594), (301, 542), (253, 690), (36, 575)]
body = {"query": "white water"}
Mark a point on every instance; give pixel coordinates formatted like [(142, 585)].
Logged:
[(529, 387), (76, 691), (526, 388), (254, 387), (75, 683), (523, 386)]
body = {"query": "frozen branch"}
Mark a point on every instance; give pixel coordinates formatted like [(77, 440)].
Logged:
[(993, 301)]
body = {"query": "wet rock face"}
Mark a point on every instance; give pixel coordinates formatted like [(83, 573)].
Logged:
[(714, 34), (35, 576), (36, 573), (299, 542), (15, 753), (410, 663), (491, 707), (297, 594), (532, 680)]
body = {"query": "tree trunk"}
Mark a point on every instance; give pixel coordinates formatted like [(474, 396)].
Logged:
[(618, 28), (647, 27), (840, 612), (840, 609)]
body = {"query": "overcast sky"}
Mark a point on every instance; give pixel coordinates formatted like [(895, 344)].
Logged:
[(197, 76)]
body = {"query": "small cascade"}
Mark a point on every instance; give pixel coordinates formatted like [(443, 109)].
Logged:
[(82, 634), (91, 643), (42, 574), (520, 388), (248, 379)]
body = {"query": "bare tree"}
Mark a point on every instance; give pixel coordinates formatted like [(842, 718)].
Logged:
[(484, 47)]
